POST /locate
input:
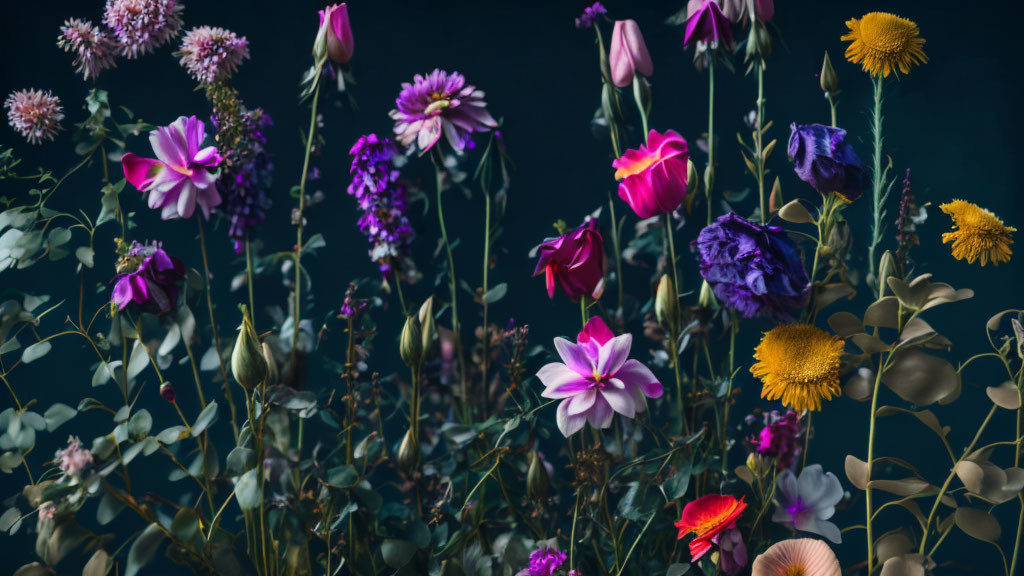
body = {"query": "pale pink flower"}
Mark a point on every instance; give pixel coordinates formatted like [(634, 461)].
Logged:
[(34, 114), (74, 459)]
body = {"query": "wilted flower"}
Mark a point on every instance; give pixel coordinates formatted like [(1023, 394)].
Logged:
[(628, 54), (597, 379), (92, 47), (653, 177), (382, 196), (576, 260), (590, 15), (732, 557), (797, 556), (141, 26), (799, 364), (436, 103), (753, 269), (210, 54), (708, 24), (74, 459), (707, 517), (824, 159), (882, 43), (977, 234), (779, 438), (182, 175), (543, 562), (808, 501), (34, 114), (337, 32), (148, 277)]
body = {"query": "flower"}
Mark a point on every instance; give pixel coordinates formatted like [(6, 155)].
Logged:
[(653, 178), (382, 196), (247, 171), (798, 363), (797, 556), (707, 517), (337, 32), (590, 15), (211, 54), (147, 276), (628, 55), (825, 160), (543, 562), (34, 114), (597, 379), (977, 234), (575, 259), (806, 503), (141, 26), (881, 43), (732, 551), (47, 510), (779, 438), (753, 269), (92, 47), (182, 175), (708, 24), (436, 103), (74, 459)]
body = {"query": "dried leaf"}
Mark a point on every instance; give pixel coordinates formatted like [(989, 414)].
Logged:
[(902, 487), (883, 313), (832, 292), (921, 378), (978, 524), (860, 386), (993, 322), (1006, 395), (903, 566), (870, 344), (857, 471), (927, 417), (916, 332), (845, 324), (892, 545)]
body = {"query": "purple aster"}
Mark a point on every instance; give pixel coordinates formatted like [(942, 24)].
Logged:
[(382, 196), (590, 15), (779, 438), (543, 562), (148, 277), (34, 114), (824, 159), (806, 503), (93, 48), (141, 26), (597, 379), (210, 54), (754, 269), (436, 103), (247, 171)]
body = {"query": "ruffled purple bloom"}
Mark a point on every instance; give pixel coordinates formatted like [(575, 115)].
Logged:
[(382, 196), (543, 562), (597, 379), (436, 103), (247, 172), (824, 159), (806, 502), (755, 270), (779, 438), (149, 278), (590, 15)]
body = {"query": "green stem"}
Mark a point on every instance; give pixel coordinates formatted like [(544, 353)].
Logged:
[(674, 328), (213, 329), (297, 312), (759, 140), (871, 456), (876, 183), (486, 337), (709, 175), (615, 246), (249, 275), (832, 106), (1020, 534)]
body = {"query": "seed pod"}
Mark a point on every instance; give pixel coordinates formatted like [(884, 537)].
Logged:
[(537, 479), (666, 302), (411, 345), (409, 453), (247, 363), (428, 328)]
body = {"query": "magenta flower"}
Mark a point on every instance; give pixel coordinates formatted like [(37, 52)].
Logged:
[(780, 438), (597, 379), (590, 15), (543, 562), (653, 177), (147, 277), (338, 33), (182, 175), (628, 55), (708, 24), (575, 259), (93, 48), (141, 26), (34, 114), (436, 103), (210, 54)]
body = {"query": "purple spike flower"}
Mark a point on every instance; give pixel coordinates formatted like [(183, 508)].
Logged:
[(382, 196), (440, 102), (590, 15), (247, 171)]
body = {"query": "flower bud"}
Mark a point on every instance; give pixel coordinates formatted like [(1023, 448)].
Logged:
[(1018, 332), (886, 268), (268, 356), (829, 80), (409, 453), (537, 479), (247, 363), (167, 392), (411, 345), (337, 32), (666, 302), (691, 178), (707, 295), (428, 328), (628, 55)]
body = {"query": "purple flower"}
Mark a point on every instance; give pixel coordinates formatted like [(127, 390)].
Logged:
[(779, 438), (543, 562), (93, 48), (708, 24), (74, 459), (732, 551), (182, 175), (436, 103), (754, 269), (824, 159), (597, 379), (806, 503), (34, 114), (210, 54), (247, 171), (141, 26), (590, 15), (148, 277), (381, 193)]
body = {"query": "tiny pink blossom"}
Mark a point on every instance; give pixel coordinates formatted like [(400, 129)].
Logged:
[(34, 114), (74, 459)]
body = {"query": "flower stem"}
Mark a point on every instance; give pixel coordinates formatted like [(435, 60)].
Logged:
[(871, 455), (249, 274), (876, 184), (213, 329), (709, 173), (297, 312), (674, 327), (486, 337)]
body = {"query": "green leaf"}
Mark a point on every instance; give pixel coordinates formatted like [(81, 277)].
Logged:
[(108, 509), (397, 553), (140, 423), (171, 435), (185, 525), (143, 549), (35, 352), (247, 490), (677, 569), (58, 414), (86, 255), (496, 293), (206, 417)]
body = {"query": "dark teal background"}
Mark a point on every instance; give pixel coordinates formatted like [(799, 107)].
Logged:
[(955, 122)]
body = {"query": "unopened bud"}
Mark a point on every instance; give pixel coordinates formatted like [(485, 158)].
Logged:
[(537, 479), (775, 201), (886, 268), (411, 345), (167, 392), (428, 328), (247, 363), (829, 80), (268, 356), (409, 452), (692, 180), (758, 465), (666, 302), (707, 296), (320, 43)]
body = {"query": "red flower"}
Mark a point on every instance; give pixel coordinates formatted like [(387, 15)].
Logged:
[(706, 517)]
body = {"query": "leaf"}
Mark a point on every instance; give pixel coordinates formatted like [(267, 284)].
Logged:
[(893, 545), (138, 361), (993, 322), (920, 378), (247, 490), (171, 435), (58, 414), (143, 549), (10, 521), (870, 344), (927, 417), (33, 569), (140, 424), (206, 417), (678, 569), (916, 332), (108, 509), (98, 565), (860, 386), (857, 471), (883, 313), (185, 525), (65, 538), (496, 293), (35, 352), (903, 566), (845, 324), (86, 255), (1006, 395), (901, 487), (978, 524), (397, 553), (795, 213)]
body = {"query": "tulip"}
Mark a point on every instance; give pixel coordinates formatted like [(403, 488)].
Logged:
[(708, 24), (336, 31), (575, 260), (653, 177), (628, 55)]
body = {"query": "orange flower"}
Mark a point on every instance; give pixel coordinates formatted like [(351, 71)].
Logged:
[(706, 517)]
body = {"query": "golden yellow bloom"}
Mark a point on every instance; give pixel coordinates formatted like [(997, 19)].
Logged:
[(881, 42), (799, 364), (977, 234)]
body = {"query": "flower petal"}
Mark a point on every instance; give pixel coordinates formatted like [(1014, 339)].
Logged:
[(567, 424), (621, 401), (635, 373), (575, 357), (614, 354)]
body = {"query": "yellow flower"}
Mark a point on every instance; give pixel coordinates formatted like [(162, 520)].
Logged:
[(799, 364), (977, 234), (881, 42)]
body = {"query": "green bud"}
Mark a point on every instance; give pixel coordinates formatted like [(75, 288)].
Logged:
[(1018, 332), (428, 329), (886, 268), (409, 453), (537, 479), (411, 346), (692, 179), (707, 295), (666, 302), (829, 80), (247, 363), (268, 356)]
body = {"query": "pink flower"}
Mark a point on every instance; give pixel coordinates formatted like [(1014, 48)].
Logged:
[(338, 32), (575, 260), (74, 459), (797, 556), (437, 103), (708, 24), (34, 114), (653, 178), (628, 55), (182, 175), (597, 379)]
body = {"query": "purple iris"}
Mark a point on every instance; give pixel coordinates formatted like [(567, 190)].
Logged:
[(824, 159)]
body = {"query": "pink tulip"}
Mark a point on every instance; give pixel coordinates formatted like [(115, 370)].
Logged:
[(339, 33), (628, 55), (653, 178)]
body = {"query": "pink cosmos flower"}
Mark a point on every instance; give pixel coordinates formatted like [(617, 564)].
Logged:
[(576, 260), (597, 379), (708, 24), (628, 55), (182, 175), (653, 178), (338, 33)]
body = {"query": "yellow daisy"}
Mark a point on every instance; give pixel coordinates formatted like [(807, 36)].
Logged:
[(881, 42), (799, 364), (977, 234)]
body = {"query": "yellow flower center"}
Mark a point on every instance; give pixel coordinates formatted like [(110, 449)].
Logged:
[(886, 32), (795, 570)]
